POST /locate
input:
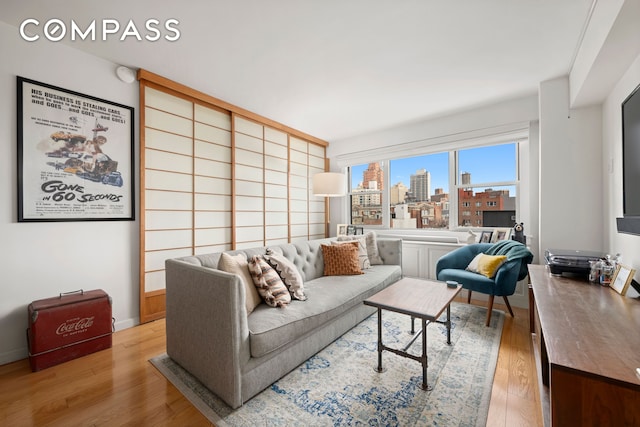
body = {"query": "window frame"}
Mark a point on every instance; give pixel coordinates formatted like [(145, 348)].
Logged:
[(454, 183)]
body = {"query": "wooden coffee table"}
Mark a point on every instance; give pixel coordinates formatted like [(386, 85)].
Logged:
[(418, 298)]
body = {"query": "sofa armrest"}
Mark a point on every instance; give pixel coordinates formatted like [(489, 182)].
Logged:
[(390, 250), (206, 326)]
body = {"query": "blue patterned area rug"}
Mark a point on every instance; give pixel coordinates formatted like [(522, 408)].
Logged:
[(339, 386)]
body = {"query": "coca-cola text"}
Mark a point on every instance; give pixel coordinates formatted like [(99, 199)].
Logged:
[(75, 325)]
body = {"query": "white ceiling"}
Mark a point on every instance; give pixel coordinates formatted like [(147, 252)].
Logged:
[(338, 68)]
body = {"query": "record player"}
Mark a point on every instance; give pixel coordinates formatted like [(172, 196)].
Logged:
[(571, 261)]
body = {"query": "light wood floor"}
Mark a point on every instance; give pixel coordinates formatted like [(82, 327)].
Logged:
[(119, 387)]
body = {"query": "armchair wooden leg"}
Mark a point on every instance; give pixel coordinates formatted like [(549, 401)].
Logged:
[(506, 301), (489, 309), (469, 296)]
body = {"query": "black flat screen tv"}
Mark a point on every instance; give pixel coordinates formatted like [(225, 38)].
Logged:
[(630, 222)]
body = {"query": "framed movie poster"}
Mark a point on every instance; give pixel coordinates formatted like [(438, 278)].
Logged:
[(75, 156)]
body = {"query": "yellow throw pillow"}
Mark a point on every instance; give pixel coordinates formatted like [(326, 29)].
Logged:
[(487, 265), (340, 260)]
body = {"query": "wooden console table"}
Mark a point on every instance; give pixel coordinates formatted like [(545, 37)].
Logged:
[(587, 344)]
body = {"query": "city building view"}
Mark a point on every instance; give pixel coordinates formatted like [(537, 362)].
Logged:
[(415, 206)]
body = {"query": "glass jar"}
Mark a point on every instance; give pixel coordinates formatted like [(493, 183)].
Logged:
[(607, 274), (594, 274)]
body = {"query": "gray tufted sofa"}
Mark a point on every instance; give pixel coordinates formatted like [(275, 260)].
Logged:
[(236, 356)]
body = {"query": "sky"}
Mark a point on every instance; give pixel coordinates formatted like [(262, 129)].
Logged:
[(486, 164)]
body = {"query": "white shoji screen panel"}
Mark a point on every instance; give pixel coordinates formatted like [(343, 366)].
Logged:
[(249, 183), (168, 186), (299, 189), (187, 182), (276, 168), (317, 215), (212, 180)]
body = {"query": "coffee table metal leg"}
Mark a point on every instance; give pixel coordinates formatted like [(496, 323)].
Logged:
[(379, 368), (424, 359), (449, 324)]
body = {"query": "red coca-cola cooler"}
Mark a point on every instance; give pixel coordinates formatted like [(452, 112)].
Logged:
[(68, 326)]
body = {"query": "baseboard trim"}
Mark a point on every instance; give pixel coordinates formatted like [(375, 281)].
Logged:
[(14, 355)]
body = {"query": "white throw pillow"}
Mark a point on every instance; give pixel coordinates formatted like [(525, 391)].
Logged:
[(363, 256), (372, 246), (237, 264)]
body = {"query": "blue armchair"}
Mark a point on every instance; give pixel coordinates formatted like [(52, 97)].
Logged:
[(452, 267)]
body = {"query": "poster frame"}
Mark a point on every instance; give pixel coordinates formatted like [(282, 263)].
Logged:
[(125, 190)]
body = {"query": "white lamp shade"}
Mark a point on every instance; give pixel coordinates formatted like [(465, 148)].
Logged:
[(329, 184)]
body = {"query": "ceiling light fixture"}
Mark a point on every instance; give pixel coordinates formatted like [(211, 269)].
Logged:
[(125, 74)]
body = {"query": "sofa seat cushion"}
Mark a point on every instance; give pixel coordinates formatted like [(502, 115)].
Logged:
[(327, 298)]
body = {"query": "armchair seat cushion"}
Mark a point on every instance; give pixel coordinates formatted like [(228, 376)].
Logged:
[(470, 280)]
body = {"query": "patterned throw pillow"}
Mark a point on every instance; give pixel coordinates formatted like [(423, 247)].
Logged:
[(372, 246), (361, 244), (237, 264), (340, 260), (288, 273), (268, 283)]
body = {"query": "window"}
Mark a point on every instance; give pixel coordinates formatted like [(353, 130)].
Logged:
[(417, 192), (419, 189), (487, 176), (367, 182)]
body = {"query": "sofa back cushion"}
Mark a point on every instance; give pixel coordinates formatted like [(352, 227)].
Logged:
[(307, 257)]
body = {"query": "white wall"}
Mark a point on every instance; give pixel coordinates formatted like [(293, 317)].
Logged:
[(570, 192), (40, 260), (611, 164)]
